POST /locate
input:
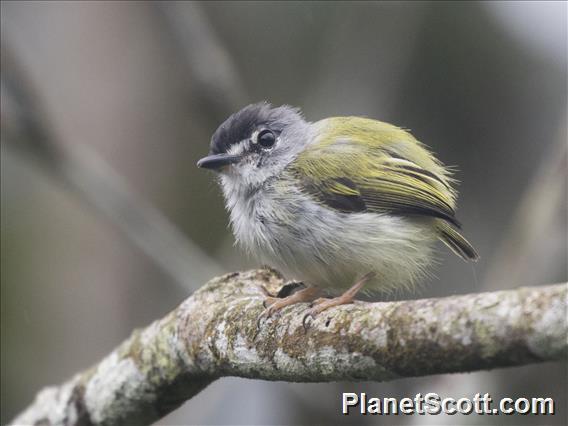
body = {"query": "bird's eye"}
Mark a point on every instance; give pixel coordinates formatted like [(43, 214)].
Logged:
[(266, 138)]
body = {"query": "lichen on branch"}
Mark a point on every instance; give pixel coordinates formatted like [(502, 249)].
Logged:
[(214, 333)]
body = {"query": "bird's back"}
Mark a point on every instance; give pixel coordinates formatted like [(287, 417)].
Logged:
[(356, 164), (382, 139)]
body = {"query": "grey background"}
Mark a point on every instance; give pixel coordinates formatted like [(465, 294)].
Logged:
[(144, 85)]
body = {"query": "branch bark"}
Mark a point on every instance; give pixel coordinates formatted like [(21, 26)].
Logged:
[(214, 333)]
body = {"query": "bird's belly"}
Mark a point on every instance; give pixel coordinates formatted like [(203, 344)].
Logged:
[(329, 249)]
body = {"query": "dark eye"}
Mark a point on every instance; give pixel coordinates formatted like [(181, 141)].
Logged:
[(266, 138)]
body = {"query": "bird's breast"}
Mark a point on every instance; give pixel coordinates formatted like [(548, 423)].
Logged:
[(286, 229)]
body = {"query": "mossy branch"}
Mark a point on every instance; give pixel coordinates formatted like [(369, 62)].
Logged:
[(214, 333)]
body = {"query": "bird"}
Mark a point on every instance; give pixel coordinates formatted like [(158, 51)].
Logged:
[(340, 204)]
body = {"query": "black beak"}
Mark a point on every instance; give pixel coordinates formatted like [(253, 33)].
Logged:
[(215, 162)]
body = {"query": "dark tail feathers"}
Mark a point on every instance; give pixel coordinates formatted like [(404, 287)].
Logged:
[(456, 242)]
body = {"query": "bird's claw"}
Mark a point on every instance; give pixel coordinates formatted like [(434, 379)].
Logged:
[(305, 319), (260, 317), (315, 309), (276, 304), (266, 314)]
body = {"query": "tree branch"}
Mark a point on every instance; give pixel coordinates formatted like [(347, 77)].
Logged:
[(214, 333)]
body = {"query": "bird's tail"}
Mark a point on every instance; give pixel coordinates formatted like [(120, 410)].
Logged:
[(451, 237)]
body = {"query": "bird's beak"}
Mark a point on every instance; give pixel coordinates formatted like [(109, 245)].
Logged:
[(217, 161)]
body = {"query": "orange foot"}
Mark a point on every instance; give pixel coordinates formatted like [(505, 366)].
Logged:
[(322, 304), (276, 304)]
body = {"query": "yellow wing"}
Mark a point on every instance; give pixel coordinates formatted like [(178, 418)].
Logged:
[(367, 165)]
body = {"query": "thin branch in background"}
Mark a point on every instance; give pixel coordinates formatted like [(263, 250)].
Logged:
[(535, 217), (214, 333), (213, 72), (213, 75), (79, 168)]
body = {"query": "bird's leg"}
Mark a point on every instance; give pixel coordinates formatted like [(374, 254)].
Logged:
[(275, 304), (322, 304)]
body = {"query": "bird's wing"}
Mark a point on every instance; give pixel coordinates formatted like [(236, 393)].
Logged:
[(366, 165)]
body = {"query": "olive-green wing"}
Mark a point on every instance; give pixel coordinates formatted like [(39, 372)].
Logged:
[(364, 165)]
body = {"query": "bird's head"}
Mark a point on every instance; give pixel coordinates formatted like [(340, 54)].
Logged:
[(256, 143)]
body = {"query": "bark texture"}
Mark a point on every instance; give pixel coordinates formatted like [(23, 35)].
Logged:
[(214, 333)]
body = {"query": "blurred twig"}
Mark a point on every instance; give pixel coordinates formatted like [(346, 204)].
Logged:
[(213, 72), (24, 128), (215, 79), (214, 333), (534, 220)]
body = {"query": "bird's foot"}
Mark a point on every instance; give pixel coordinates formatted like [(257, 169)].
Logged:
[(275, 304), (323, 304)]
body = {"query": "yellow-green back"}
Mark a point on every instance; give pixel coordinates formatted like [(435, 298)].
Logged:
[(358, 164)]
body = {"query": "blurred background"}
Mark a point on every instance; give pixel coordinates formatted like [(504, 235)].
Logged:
[(106, 223)]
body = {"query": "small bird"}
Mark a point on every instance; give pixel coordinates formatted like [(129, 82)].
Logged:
[(338, 204)]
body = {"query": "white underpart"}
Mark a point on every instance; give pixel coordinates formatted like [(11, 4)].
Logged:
[(319, 246)]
